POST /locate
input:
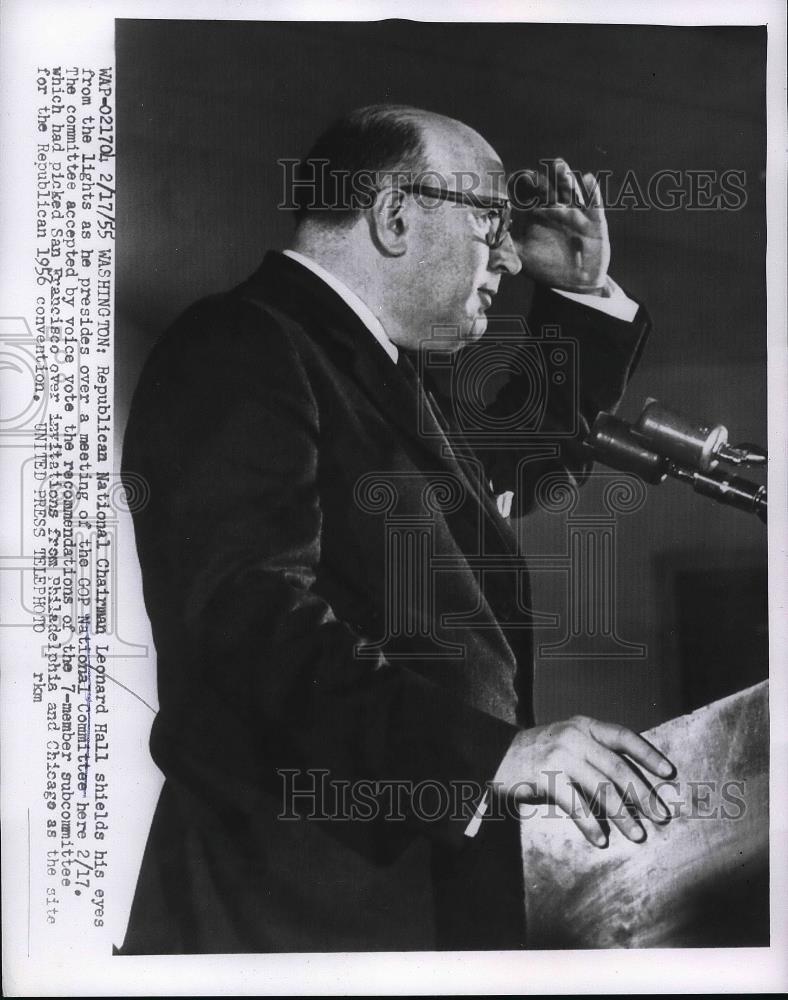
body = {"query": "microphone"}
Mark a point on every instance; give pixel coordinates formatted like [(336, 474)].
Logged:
[(664, 443)]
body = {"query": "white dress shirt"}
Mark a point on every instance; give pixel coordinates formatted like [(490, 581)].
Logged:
[(359, 307)]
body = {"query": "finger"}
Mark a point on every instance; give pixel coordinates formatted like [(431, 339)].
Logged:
[(531, 177), (617, 809), (563, 215), (530, 189), (552, 183), (599, 788), (593, 194), (578, 197), (623, 740), (566, 795), (632, 787), (565, 184), (545, 189)]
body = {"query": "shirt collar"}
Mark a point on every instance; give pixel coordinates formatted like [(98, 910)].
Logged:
[(360, 308)]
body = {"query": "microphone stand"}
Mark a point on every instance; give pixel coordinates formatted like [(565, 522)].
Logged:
[(664, 443)]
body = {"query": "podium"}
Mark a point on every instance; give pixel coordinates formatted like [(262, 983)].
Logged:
[(702, 880)]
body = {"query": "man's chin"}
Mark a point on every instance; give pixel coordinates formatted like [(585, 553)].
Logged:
[(475, 329), (468, 332)]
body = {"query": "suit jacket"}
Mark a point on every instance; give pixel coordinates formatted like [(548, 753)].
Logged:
[(334, 598)]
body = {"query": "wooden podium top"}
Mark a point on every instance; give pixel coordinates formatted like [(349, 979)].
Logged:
[(699, 881)]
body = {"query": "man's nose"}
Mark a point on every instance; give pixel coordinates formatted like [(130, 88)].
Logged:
[(504, 259)]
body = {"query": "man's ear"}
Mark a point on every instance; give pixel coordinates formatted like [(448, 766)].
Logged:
[(389, 222)]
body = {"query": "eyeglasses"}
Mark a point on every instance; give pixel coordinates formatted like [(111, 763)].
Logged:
[(499, 209)]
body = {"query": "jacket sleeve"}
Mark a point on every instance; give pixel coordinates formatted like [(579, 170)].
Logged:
[(602, 353), (256, 672)]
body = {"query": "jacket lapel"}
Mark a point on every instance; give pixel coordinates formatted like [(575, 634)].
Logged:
[(309, 301), (393, 389)]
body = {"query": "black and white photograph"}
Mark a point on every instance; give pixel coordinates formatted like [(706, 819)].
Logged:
[(391, 578)]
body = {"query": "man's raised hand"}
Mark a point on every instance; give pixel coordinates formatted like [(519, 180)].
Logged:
[(565, 241)]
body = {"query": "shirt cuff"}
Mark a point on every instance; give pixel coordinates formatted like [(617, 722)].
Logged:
[(615, 302), (476, 820)]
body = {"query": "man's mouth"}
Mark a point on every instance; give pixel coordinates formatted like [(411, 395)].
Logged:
[(486, 297)]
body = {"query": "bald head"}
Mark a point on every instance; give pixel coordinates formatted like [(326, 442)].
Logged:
[(358, 154), (459, 157)]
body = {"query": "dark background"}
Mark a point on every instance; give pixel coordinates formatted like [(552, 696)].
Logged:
[(205, 109)]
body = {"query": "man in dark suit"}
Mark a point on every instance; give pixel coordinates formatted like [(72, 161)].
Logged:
[(338, 605)]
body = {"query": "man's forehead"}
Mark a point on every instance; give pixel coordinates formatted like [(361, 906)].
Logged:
[(464, 159)]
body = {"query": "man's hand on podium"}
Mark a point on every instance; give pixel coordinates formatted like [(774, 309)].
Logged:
[(589, 769)]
